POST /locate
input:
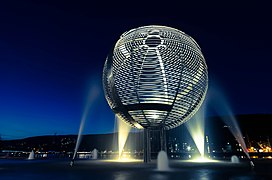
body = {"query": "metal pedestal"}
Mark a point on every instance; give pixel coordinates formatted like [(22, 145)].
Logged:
[(147, 149)]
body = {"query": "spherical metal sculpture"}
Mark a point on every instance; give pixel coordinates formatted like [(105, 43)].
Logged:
[(155, 77)]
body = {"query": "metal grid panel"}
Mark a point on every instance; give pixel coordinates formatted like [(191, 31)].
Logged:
[(155, 76)]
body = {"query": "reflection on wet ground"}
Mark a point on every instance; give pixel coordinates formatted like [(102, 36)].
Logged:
[(98, 169)]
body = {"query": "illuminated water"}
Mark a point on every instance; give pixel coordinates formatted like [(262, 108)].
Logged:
[(95, 154), (123, 132), (196, 128), (235, 130), (31, 155), (162, 162), (91, 97), (81, 127), (196, 125), (223, 108), (234, 159)]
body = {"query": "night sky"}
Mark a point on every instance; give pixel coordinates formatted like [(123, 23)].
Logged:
[(52, 54)]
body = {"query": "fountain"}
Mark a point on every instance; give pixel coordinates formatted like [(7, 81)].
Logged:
[(231, 122), (31, 155), (236, 132), (93, 93), (162, 162), (234, 159), (222, 106), (158, 88), (123, 132), (196, 129), (95, 154)]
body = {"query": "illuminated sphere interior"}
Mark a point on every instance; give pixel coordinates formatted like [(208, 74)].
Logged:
[(155, 77)]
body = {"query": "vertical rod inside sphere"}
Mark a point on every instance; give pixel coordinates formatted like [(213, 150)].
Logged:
[(163, 139), (147, 146)]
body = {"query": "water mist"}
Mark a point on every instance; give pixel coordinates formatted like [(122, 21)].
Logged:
[(222, 107), (123, 132), (93, 93), (196, 128)]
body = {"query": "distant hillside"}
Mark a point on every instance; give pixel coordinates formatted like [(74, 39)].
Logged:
[(252, 126), (68, 142)]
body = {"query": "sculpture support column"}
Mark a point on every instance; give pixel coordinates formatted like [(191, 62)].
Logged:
[(163, 139), (147, 149)]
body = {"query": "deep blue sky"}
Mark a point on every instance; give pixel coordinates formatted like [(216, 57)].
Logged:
[(52, 53)]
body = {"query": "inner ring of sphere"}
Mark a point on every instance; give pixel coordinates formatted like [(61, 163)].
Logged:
[(153, 41)]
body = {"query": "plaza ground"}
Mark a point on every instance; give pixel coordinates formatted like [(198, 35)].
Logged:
[(100, 169)]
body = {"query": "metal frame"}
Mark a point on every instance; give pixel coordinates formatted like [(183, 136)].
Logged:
[(155, 77)]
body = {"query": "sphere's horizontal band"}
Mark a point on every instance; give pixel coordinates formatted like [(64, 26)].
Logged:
[(149, 106)]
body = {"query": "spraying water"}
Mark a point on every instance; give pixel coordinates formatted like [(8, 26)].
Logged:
[(234, 159), (222, 107), (123, 132), (196, 126), (31, 155), (93, 93), (235, 130), (95, 154), (162, 162)]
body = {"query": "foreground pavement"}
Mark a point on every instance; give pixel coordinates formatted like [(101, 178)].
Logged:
[(113, 170)]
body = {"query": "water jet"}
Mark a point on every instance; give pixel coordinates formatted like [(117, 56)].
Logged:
[(95, 154), (31, 155), (162, 162), (93, 93), (234, 159)]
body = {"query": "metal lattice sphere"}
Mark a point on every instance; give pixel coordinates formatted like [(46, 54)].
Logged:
[(155, 77)]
